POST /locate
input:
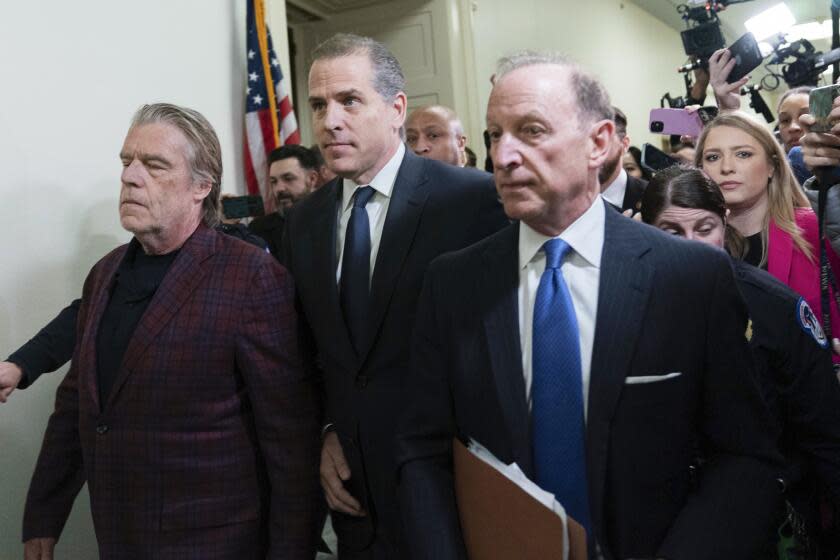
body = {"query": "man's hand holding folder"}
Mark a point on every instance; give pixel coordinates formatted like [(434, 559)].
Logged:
[(505, 515)]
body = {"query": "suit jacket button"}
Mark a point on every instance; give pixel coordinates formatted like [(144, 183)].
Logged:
[(361, 381), (102, 429)]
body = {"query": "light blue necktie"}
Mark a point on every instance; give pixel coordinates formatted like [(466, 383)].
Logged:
[(557, 390)]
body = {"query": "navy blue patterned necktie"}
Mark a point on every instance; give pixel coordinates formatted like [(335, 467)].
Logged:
[(355, 269), (557, 419)]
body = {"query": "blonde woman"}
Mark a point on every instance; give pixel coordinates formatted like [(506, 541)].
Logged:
[(768, 207)]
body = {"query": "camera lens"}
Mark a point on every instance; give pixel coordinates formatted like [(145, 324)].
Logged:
[(657, 126)]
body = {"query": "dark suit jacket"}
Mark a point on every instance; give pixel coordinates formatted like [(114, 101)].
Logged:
[(270, 229), (209, 437), (434, 208), (633, 194), (664, 306)]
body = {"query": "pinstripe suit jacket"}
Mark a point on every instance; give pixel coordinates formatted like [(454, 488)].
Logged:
[(665, 306), (207, 446)]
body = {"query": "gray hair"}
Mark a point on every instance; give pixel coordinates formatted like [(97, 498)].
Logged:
[(592, 98), (388, 78), (205, 155)]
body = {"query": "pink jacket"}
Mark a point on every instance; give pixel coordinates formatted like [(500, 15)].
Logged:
[(788, 264)]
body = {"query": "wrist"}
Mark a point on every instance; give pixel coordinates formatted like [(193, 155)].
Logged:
[(22, 381)]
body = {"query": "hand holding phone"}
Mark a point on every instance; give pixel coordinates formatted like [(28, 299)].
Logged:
[(747, 57), (727, 94), (820, 105), (675, 122)]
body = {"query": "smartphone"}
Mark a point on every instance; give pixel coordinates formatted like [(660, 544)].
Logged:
[(654, 159), (820, 103), (707, 114), (242, 206), (747, 57), (675, 122)]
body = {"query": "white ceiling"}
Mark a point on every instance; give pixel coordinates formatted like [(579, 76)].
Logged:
[(324, 9), (733, 17)]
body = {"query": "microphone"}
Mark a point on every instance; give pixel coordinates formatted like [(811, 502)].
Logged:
[(693, 65), (757, 102)]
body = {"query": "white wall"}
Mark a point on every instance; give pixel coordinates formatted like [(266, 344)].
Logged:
[(73, 73), (634, 54)]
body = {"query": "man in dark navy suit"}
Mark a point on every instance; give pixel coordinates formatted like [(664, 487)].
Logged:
[(617, 187), (606, 359), (358, 248)]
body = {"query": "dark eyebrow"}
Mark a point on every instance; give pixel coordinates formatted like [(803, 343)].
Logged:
[(352, 92), (666, 223)]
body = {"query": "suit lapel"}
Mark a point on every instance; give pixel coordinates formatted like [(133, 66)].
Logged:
[(624, 288), (404, 210), (779, 252), (180, 281), (319, 262), (90, 332), (499, 283)]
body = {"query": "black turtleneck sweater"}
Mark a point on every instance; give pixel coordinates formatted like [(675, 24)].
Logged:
[(135, 283)]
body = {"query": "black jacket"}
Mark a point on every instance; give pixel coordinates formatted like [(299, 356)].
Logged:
[(664, 306)]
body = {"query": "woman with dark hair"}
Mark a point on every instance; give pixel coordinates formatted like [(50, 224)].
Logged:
[(789, 347), (632, 163)]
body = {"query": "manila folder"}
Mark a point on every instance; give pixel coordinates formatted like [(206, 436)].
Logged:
[(500, 521)]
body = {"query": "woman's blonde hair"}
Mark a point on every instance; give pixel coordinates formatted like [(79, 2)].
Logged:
[(783, 191)]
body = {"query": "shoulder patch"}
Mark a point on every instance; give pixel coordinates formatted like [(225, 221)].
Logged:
[(809, 323)]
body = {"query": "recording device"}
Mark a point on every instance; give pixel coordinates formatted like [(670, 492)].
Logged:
[(693, 65), (235, 207), (673, 102), (654, 159), (747, 57), (700, 40), (707, 114), (820, 103), (703, 36), (703, 40), (675, 122), (757, 102), (806, 65)]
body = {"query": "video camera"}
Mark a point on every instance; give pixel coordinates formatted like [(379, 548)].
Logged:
[(701, 39), (806, 65), (703, 35)]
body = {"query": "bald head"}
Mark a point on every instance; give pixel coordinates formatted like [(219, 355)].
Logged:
[(435, 132)]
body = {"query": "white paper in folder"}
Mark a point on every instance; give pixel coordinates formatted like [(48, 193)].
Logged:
[(515, 474)]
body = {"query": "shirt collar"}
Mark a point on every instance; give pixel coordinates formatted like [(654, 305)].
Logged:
[(383, 182), (585, 236), (614, 194)]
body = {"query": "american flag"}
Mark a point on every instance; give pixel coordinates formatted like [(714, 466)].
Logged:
[(269, 118)]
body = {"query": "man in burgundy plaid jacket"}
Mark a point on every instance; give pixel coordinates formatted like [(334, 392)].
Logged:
[(186, 409)]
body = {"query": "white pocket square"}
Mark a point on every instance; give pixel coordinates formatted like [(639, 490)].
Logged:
[(650, 378)]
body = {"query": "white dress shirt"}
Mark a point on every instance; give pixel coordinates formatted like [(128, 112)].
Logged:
[(581, 270), (614, 194), (377, 207)]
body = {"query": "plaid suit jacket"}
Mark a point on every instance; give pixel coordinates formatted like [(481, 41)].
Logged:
[(210, 432)]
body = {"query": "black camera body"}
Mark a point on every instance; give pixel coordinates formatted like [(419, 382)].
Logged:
[(703, 40)]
